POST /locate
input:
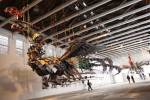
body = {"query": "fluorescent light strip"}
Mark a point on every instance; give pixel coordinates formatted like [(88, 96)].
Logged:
[(134, 44), (122, 29), (134, 48), (137, 49), (125, 33), (129, 37), (126, 44)]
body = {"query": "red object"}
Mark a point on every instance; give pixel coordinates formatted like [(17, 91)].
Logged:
[(130, 60), (13, 11)]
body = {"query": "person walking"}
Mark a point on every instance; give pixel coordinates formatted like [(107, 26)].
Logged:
[(128, 78), (84, 85), (89, 84), (132, 79), (144, 77)]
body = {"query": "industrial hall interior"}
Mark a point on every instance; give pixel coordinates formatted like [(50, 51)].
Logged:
[(74, 49)]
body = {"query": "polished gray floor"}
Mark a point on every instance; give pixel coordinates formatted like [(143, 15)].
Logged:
[(137, 91)]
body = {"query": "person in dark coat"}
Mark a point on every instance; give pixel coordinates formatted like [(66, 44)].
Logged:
[(128, 78), (132, 79), (89, 84)]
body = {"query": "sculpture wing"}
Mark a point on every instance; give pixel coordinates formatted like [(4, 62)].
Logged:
[(79, 48)]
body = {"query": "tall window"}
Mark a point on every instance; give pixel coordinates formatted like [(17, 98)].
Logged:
[(19, 47), (3, 44)]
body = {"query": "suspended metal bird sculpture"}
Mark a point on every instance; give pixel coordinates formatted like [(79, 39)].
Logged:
[(53, 70)]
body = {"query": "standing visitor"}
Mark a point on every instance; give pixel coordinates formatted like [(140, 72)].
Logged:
[(128, 78), (144, 77), (89, 84), (141, 76), (132, 79), (82, 81), (84, 85)]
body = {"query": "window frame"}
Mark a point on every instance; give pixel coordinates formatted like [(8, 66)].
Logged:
[(4, 45), (21, 49)]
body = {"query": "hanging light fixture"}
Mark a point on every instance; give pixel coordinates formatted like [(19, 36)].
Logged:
[(76, 7), (69, 40), (121, 46), (120, 18), (91, 22), (97, 27), (107, 30), (102, 25), (85, 16), (97, 20), (92, 13), (84, 4), (140, 41), (84, 26)]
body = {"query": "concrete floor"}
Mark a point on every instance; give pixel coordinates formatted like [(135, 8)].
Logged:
[(137, 91)]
